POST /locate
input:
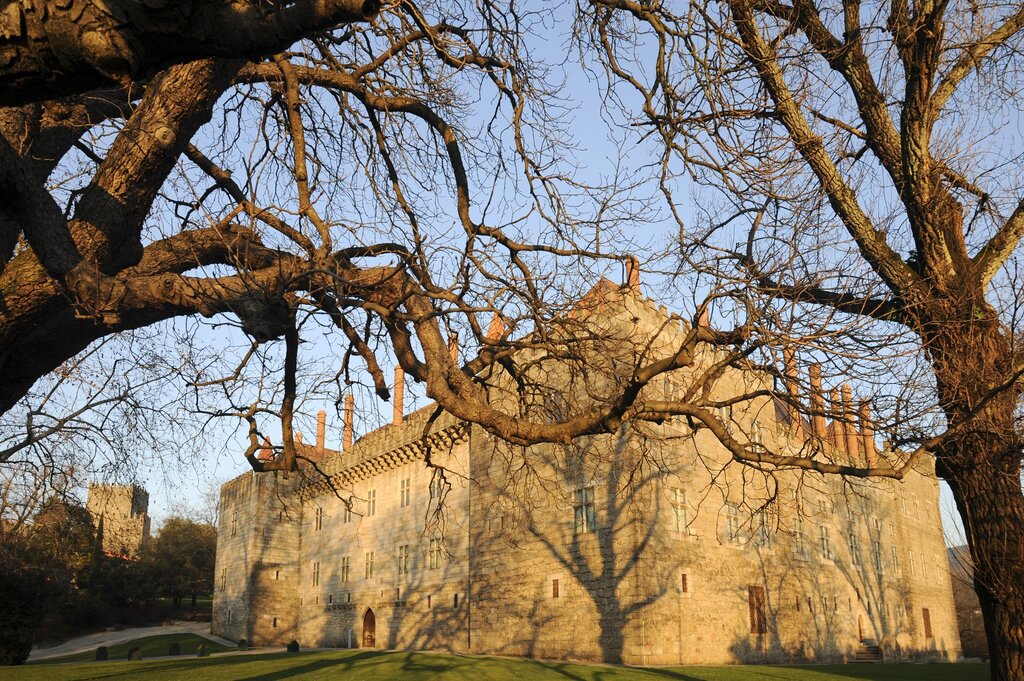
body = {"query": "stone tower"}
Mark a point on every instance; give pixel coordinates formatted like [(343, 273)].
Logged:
[(120, 514)]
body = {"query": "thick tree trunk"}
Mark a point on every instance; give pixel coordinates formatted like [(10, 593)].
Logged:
[(973, 364), (992, 508)]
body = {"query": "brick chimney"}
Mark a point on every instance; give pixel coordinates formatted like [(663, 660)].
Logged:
[(836, 434), (453, 348), (867, 434), (817, 403), (399, 397), (350, 407), (321, 431), (497, 328), (849, 413), (792, 386), (632, 273)]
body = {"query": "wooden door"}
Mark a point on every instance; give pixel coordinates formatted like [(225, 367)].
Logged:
[(369, 629)]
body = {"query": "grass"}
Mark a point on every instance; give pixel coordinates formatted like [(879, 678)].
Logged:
[(364, 665), (152, 646)]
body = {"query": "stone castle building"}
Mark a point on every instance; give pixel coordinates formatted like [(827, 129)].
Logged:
[(647, 546), (120, 514)]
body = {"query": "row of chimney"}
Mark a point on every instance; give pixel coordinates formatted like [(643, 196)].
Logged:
[(841, 433), (494, 332)]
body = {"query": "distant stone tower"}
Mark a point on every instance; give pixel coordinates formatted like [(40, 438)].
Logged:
[(120, 515)]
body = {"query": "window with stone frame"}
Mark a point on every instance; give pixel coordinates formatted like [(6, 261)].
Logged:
[(894, 560), (824, 541), (434, 554), (403, 559), (318, 519), (680, 515), (733, 526), (347, 515), (316, 573), (405, 493), (763, 532), (876, 555), (371, 503), (368, 567), (799, 540), (585, 516), (436, 485), (234, 523), (854, 542), (345, 568)]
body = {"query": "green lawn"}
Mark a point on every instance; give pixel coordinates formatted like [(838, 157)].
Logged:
[(374, 665), (152, 646)]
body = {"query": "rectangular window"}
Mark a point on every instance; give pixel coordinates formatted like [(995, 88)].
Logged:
[(234, 523), (403, 559), (345, 569), (758, 623), (318, 519), (679, 511), (764, 530), (273, 623), (405, 493), (927, 617), (583, 507), (917, 506), (894, 560), (371, 502), (223, 578), (456, 600), (799, 540), (347, 516), (732, 524), (436, 486), (330, 599), (429, 599), (316, 573), (824, 542), (369, 564), (913, 564), (554, 588), (684, 586), (854, 548), (876, 554), (756, 436), (434, 555)]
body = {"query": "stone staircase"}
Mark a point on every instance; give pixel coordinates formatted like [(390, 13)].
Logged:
[(867, 652)]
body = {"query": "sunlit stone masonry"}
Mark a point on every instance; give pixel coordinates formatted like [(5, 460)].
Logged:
[(645, 547)]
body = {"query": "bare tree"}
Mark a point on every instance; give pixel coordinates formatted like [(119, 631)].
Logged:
[(867, 205), (329, 195)]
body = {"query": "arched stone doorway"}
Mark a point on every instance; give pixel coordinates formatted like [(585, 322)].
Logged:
[(369, 629)]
